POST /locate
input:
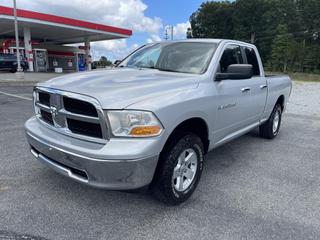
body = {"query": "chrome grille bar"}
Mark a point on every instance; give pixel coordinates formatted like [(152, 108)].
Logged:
[(79, 116), (60, 115), (42, 106)]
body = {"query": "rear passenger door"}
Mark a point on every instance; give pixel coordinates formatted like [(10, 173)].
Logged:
[(258, 85)]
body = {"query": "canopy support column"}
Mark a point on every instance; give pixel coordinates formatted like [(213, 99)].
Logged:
[(87, 55), (28, 47)]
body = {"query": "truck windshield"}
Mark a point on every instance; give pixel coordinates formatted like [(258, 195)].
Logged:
[(184, 57)]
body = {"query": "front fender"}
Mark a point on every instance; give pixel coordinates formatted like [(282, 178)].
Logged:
[(175, 107)]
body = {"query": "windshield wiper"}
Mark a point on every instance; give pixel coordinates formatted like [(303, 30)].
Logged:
[(167, 70), (150, 67), (160, 69)]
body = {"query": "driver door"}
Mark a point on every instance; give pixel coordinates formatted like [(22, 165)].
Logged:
[(232, 97)]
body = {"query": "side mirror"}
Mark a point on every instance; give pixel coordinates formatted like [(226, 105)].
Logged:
[(117, 62), (236, 72)]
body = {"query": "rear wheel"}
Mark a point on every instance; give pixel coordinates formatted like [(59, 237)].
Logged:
[(271, 127), (180, 169)]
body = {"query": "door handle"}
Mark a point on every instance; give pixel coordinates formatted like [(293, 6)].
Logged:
[(263, 86), (245, 89)]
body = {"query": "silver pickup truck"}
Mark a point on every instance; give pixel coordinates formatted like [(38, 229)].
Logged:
[(150, 120)]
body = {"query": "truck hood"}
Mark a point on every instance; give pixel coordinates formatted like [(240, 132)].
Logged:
[(119, 88)]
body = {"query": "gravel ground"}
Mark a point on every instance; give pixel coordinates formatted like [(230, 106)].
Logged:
[(251, 188), (305, 98)]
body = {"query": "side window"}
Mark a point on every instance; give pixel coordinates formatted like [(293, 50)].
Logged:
[(231, 55), (252, 59)]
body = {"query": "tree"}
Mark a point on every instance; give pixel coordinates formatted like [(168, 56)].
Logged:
[(103, 62), (248, 20), (189, 33), (213, 20), (280, 49), (286, 32)]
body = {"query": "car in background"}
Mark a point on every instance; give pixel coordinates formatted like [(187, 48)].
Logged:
[(8, 62)]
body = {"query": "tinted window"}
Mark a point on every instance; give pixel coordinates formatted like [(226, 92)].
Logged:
[(252, 59), (231, 55), (6, 57)]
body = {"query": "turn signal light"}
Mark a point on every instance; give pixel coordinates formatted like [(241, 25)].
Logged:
[(145, 131)]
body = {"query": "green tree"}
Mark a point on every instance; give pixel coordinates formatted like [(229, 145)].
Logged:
[(189, 33), (213, 20), (248, 20), (280, 49), (286, 32), (103, 62)]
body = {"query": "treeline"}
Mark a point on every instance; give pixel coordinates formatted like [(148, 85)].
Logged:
[(102, 62), (286, 32)]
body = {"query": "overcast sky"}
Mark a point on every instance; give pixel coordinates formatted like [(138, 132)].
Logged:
[(146, 18)]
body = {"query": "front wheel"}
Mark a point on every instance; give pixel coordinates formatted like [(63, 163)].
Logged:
[(271, 127), (180, 169)]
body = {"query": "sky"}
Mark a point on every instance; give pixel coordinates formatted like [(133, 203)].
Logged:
[(146, 18)]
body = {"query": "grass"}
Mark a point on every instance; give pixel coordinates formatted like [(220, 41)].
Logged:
[(305, 77)]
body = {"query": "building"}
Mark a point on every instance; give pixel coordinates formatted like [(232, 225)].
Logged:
[(43, 39)]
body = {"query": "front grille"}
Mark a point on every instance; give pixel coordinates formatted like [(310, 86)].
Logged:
[(44, 98), (46, 116), (71, 114), (85, 128), (79, 107)]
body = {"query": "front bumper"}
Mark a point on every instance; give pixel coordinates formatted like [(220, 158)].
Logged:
[(118, 165)]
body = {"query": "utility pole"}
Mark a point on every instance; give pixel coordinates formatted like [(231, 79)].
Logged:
[(166, 34), (166, 37), (171, 32), (19, 69)]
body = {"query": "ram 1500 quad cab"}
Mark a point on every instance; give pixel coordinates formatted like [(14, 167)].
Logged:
[(150, 120)]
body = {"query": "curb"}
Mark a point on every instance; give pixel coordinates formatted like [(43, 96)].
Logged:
[(17, 83)]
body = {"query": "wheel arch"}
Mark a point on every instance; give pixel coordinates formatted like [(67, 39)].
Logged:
[(196, 125), (281, 101)]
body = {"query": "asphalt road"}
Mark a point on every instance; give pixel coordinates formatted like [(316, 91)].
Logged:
[(251, 188)]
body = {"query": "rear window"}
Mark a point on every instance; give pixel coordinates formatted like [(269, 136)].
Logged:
[(6, 57), (252, 59)]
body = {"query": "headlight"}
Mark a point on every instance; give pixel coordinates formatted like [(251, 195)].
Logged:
[(134, 124)]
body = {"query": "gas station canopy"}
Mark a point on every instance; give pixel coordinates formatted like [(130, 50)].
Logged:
[(52, 29)]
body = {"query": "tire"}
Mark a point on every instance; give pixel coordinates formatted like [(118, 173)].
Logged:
[(179, 170), (13, 70), (270, 129)]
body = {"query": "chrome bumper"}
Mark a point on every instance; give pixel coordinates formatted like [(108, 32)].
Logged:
[(55, 150)]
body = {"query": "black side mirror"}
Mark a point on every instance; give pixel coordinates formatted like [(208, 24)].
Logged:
[(117, 62), (236, 72)]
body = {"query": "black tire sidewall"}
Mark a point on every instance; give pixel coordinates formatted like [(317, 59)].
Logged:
[(170, 160), (266, 129), (275, 110)]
